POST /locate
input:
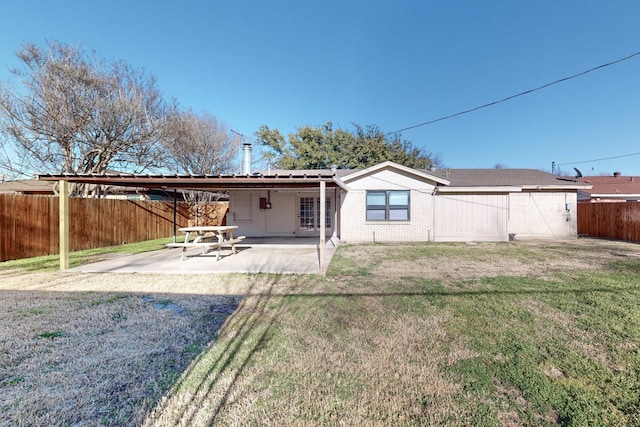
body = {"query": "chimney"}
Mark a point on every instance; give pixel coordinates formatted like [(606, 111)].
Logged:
[(246, 158), (617, 174)]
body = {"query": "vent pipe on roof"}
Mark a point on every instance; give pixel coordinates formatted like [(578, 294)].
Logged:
[(246, 158)]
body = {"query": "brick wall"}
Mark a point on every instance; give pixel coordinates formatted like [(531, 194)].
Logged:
[(543, 215), (355, 227)]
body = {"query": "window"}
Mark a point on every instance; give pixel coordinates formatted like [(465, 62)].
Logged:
[(308, 221), (388, 205), (327, 213)]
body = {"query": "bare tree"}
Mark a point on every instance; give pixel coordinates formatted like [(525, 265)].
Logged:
[(79, 114), (6, 160), (199, 144)]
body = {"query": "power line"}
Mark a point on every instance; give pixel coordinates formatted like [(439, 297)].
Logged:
[(239, 134), (526, 92), (599, 160)]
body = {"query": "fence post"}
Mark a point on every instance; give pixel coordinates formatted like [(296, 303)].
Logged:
[(64, 224)]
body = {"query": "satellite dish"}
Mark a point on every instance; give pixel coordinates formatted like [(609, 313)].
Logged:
[(578, 173)]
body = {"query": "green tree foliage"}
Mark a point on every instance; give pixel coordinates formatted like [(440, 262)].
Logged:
[(321, 147)]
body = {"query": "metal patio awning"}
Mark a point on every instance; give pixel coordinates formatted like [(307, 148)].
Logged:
[(203, 182), (289, 180)]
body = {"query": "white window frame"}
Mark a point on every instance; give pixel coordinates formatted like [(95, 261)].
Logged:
[(387, 209)]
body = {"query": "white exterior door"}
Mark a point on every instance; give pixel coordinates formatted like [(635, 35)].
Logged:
[(309, 215)]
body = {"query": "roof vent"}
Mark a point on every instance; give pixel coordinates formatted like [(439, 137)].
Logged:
[(334, 168), (617, 174)]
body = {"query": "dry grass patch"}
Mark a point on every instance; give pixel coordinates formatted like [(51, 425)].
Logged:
[(523, 333), (527, 258), (329, 365), (101, 349)]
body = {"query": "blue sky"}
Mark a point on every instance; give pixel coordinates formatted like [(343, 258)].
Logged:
[(394, 64)]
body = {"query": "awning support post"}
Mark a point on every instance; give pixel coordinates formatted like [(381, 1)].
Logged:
[(323, 224), (64, 224), (175, 213)]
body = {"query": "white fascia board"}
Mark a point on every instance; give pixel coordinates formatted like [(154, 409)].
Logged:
[(488, 189), (389, 164), (558, 187), (340, 183)]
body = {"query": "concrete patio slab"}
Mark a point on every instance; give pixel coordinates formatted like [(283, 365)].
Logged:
[(254, 255)]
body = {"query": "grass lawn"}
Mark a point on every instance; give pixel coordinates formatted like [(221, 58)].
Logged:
[(521, 333), (76, 258)]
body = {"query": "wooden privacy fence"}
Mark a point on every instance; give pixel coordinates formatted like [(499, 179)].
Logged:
[(620, 221), (29, 225)]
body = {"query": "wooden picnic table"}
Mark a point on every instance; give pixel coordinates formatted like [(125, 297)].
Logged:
[(208, 237)]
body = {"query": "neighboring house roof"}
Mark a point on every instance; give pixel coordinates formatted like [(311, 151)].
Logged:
[(46, 187), (26, 186), (611, 187)]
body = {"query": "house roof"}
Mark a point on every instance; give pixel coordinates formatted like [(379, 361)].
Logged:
[(486, 179), (523, 178), (446, 179), (612, 186)]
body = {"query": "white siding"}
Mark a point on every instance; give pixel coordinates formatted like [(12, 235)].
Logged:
[(479, 216), (242, 207), (277, 221), (280, 220), (469, 217), (353, 224), (543, 215)]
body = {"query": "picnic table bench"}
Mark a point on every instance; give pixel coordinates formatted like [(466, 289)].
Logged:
[(208, 237)]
